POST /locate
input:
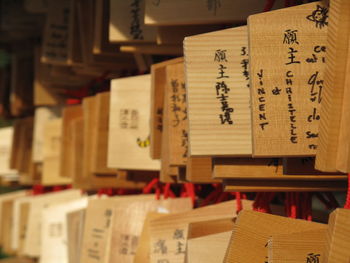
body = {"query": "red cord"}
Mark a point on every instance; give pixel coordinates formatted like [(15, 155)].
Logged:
[(191, 193), (166, 190), (38, 189), (148, 188), (212, 196), (239, 205)]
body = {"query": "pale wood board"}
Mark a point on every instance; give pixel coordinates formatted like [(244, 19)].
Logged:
[(273, 168), (23, 220), (99, 214), (297, 247), (284, 185), (158, 84), (142, 254), (78, 154), (304, 166), (208, 249), (217, 80), (33, 232), (205, 228), (10, 196), (283, 122), (127, 226), (54, 230), (100, 139), (176, 113), (7, 136), (183, 12), (333, 152), (41, 117), (129, 126), (69, 114), (99, 221), (338, 238), (162, 230), (246, 168), (89, 110), (252, 231), (75, 227), (18, 214), (168, 173), (51, 173), (199, 170), (6, 226), (127, 22)]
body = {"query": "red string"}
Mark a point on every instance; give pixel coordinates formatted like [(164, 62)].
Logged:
[(57, 188), (306, 204), (262, 202), (38, 189), (191, 193), (158, 193), (239, 205), (212, 196), (287, 205), (148, 188), (166, 190), (268, 5), (222, 197)]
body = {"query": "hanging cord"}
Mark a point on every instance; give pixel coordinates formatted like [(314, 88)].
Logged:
[(292, 204), (306, 206), (262, 202), (191, 192), (214, 195), (38, 189), (239, 204)]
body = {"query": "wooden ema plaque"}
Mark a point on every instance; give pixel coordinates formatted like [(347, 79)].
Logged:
[(127, 22), (59, 33), (305, 246), (129, 130), (253, 230), (169, 233), (158, 83), (167, 173), (52, 152), (218, 93), (177, 114), (333, 151), (287, 60), (338, 237), (41, 117), (69, 115)]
